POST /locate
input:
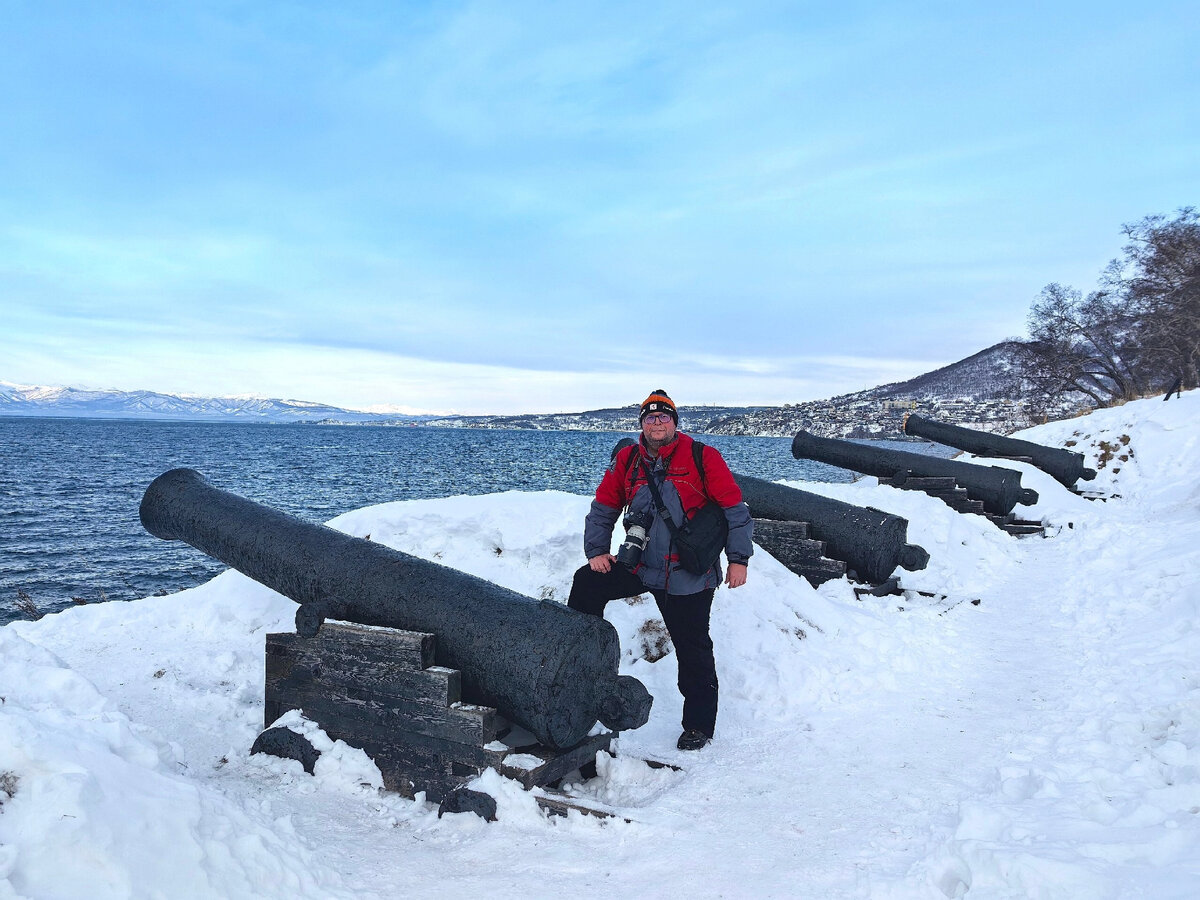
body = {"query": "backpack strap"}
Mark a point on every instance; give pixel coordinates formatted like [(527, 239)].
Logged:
[(631, 467), (659, 505), (636, 458), (698, 457)]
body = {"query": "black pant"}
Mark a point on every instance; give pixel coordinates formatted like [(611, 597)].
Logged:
[(686, 618)]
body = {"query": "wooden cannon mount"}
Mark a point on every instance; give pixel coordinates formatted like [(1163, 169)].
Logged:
[(946, 489), (791, 543), (379, 689)]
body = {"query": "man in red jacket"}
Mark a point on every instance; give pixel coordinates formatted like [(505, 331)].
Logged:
[(684, 598)]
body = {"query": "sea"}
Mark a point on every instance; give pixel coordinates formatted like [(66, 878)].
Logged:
[(70, 488)]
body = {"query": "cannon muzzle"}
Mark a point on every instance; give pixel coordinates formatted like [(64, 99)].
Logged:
[(549, 668)]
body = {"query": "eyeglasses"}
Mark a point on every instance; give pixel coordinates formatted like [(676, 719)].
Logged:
[(656, 418)]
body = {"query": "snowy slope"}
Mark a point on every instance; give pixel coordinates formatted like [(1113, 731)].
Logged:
[(1043, 742)]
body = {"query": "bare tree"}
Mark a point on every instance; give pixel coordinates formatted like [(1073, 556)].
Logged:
[(1159, 273), (1082, 344), (1137, 333)]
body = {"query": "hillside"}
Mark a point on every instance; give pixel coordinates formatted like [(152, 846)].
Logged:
[(692, 418), (984, 390)]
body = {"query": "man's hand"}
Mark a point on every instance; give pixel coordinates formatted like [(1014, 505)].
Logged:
[(604, 562), (735, 577)]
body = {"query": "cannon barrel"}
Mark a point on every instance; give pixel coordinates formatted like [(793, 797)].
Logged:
[(1066, 466), (549, 668), (999, 489), (869, 541)]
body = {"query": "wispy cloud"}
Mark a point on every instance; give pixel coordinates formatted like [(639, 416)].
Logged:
[(762, 198)]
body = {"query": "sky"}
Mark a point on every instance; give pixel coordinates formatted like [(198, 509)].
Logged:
[(504, 207)]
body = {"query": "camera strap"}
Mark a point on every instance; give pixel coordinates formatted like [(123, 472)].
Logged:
[(663, 512)]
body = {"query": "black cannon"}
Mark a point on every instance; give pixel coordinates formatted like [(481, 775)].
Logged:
[(1066, 466), (542, 665), (871, 542), (998, 489)]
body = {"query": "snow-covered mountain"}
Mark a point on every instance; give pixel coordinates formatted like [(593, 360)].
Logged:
[(990, 374), (26, 400), (985, 391)]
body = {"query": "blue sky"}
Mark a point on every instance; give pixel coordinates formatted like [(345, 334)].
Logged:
[(511, 207)]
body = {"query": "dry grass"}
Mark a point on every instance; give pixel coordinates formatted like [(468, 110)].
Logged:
[(8, 787), (653, 640), (27, 607)]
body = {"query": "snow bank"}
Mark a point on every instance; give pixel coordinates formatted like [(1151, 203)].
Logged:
[(94, 806), (1030, 729)]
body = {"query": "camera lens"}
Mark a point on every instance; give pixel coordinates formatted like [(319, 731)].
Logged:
[(637, 535)]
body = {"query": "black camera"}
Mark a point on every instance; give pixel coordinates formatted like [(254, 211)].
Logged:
[(637, 533)]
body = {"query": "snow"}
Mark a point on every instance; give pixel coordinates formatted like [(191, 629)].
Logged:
[(1042, 742)]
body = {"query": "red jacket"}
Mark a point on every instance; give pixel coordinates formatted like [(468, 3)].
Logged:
[(620, 482), (684, 492)]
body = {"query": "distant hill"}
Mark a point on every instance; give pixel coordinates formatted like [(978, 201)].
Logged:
[(25, 400), (623, 418), (984, 389), (991, 374)]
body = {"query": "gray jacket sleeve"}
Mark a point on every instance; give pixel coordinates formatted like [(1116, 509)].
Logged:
[(598, 529), (739, 545)]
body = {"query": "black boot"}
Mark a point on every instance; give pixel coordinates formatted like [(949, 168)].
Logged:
[(692, 740)]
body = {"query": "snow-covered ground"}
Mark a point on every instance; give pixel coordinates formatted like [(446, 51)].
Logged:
[(1033, 733)]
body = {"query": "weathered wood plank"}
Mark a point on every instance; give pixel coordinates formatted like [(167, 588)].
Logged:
[(561, 805), (376, 690), (786, 542), (348, 710), (406, 773), (397, 641), (360, 657), (784, 529), (927, 483), (374, 672), (1023, 529), (461, 741), (818, 572), (555, 764)]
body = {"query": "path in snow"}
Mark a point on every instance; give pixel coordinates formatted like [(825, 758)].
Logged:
[(851, 804)]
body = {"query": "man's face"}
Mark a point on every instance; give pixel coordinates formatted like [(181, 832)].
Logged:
[(658, 431)]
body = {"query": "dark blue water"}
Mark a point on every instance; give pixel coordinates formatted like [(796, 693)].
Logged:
[(70, 488)]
